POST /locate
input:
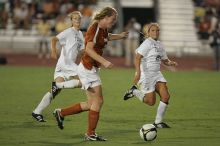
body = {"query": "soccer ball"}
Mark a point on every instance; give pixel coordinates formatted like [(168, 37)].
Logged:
[(148, 132)]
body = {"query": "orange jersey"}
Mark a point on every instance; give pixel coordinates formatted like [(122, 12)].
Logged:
[(99, 37)]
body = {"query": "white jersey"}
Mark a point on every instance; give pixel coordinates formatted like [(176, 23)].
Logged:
[(152, 52), (72, 42)]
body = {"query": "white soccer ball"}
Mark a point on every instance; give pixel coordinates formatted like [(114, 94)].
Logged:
[(148, 132)]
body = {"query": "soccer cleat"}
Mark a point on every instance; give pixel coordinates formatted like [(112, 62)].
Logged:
[(38, 117), (161, 125), (129, 93), (54, 89), (94, 137), (59, 119)]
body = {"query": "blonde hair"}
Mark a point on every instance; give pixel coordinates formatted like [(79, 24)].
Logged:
[(152, 24), (70, 15), (107, 11), (145, 30)]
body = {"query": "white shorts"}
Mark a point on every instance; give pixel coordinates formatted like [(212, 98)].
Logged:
[(147, 84), (88, 78), (64, 74)]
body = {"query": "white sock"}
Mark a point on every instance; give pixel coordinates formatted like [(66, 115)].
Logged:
[(45, 102), (160, 112), (68, 84), (140, 95)]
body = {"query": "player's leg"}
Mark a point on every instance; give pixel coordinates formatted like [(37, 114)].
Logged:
[(64, 80), (59, 77), (150, 98), (59, 114), (134, 91), (145, 93), (37, 112), (162, 90), (44, 103), (91, 82), (77, 108), (129, 94), (95, 99), (73, 82)]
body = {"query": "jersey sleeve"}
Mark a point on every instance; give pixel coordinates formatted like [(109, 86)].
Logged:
[(91, 33), (143, 49), (83, 42), (62, 37), (164, 54)]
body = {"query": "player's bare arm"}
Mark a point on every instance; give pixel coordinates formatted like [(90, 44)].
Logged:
[(79, 56), (119, 36), (168, 62), (54, 41), (97, 57), (137, 63)]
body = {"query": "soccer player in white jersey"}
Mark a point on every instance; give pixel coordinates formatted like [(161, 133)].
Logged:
[(149, 56), (65, 75)]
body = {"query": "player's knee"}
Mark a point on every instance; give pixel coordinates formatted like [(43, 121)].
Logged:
[(101, 102), (85, 106), (88, 106), (152, 104), (149, 101), (166, 98)]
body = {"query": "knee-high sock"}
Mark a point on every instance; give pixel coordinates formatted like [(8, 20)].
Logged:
[(68, 84), (45, 102), (140, 95), (160, 112), (74, 109), (92, 122)]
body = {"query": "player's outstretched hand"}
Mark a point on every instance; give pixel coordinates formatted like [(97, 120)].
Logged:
[(173, 63), (108, 64), (124, 34)]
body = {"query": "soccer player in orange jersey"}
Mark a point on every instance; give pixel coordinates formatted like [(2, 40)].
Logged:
[(96, 38)]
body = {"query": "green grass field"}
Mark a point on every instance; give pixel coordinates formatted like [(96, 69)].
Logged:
[(193, 113)]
